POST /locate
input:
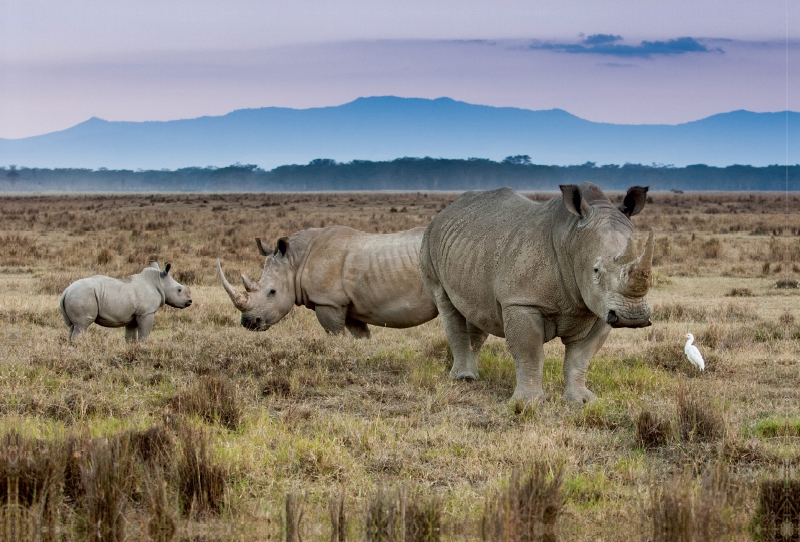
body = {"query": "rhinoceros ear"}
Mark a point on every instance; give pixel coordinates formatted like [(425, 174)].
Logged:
[(283, 246), (264, 251), (155, 265), (634, 200), (574, 201), (165, 272)]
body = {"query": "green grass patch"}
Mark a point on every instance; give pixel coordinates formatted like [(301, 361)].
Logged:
[(625, 380), (587, 489), (777, 427)]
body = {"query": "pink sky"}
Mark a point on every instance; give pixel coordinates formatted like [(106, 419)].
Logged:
[(62, 63)]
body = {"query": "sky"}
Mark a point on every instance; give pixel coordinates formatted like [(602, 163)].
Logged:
[(620, 61)]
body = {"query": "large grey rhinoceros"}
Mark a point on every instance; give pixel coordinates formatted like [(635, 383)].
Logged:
[(497, 263), (131, 302), (350, 278)]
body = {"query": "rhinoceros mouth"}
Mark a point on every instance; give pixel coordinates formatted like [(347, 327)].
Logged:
[(255, 324), (615, 320)]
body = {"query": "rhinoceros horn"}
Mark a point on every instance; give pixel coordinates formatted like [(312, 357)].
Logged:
[(638, 271), (239, 299), (249, 285)]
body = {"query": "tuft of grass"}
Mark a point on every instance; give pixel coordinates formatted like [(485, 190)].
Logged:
[(527, 509), (381, 521), (740, 292), (394, 516), (161, 524), (201, 482), (778, 511), (214, 399), (687, 509), (652, 431), (108, 476), (153, 446), (31, 478), (277, 384), (698, 418), (423, 519)]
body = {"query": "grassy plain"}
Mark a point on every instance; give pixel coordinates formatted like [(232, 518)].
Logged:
[(322, 417)]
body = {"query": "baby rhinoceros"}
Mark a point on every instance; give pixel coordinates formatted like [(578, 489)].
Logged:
[(131, 302)]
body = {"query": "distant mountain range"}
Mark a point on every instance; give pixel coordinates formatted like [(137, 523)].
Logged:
[(384, 128)]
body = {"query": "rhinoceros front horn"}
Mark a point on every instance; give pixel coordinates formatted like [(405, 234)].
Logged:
[(239, 299), (639, 271)]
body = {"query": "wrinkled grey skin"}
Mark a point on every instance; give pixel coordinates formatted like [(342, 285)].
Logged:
[(348, 277), (131, 302), (497, 263)]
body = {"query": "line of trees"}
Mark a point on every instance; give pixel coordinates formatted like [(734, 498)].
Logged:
[(401, 174)]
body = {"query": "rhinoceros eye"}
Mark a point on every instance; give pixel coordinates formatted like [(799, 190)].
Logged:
[(271, 292), (596, 270)]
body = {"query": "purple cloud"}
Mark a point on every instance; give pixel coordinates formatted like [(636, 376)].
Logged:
[(607, 44)]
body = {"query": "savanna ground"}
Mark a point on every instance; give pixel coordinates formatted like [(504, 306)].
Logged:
[(206, 428)]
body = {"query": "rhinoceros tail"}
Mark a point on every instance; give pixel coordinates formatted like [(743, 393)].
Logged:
[(64, 311)]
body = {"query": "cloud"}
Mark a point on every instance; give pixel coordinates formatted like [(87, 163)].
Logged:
[(608, 44)]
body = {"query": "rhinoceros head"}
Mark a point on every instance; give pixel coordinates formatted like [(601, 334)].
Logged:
[(175, 294), (613, 278), (265, 302)]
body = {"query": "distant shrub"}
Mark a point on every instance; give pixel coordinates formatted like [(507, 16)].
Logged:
[(739, 292)]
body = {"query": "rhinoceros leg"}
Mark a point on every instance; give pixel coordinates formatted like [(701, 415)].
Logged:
[(76, 330), (576, 362), (130, 332), (332, 319), (524, 330), (357, 328), (457, 332), (145, 325)]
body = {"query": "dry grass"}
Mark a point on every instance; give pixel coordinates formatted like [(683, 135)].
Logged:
[(220, 423), (652, 431), (689, 509), (212, 398), (528, 509)]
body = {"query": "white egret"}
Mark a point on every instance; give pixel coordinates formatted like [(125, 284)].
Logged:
[(693, 353)]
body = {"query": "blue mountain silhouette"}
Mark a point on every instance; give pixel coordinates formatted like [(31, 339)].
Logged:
[(383, 128)]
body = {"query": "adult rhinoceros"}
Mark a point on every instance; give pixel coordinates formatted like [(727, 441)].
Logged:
[(131, 302), (497, 263), (350, 278)]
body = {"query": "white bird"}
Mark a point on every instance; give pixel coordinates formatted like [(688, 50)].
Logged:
[(693, 353)]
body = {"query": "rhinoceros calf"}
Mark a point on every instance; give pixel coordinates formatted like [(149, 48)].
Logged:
[(497, 263), (131, 302), (348, 277)]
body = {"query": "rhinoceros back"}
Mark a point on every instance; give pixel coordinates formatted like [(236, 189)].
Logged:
[(383, 282)]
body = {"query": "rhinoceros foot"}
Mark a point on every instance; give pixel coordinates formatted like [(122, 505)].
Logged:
[(527, 395), (463, 374), (579, 395)]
